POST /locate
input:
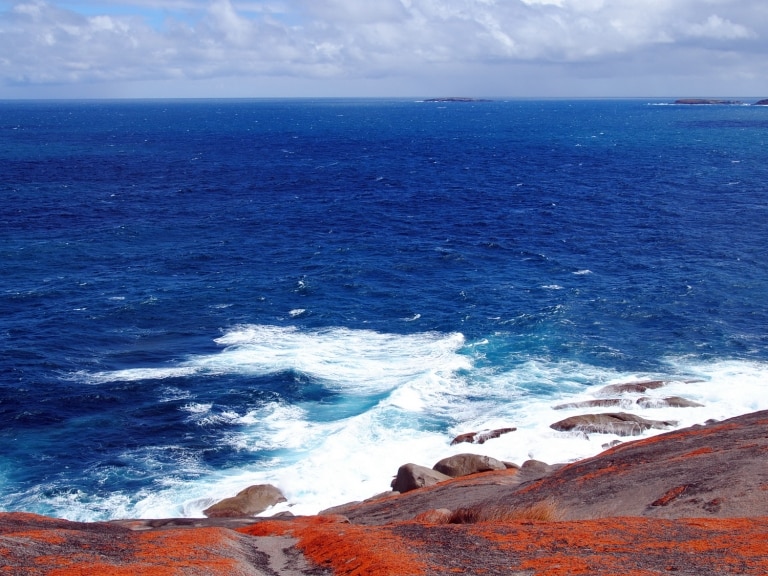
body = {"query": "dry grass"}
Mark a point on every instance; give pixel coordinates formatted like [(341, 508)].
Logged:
[(541, 511)]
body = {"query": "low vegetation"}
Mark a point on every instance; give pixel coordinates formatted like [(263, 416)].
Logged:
[(541, 511)]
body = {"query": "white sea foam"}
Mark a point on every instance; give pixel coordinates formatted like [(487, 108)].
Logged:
[(356, 458), (355, 361), (429, 388), (329, 463), (134, 374)]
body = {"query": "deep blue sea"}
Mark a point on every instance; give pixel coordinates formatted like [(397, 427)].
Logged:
[(197, 296)]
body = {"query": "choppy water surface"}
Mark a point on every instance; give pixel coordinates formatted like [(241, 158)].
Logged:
[(196, 296)]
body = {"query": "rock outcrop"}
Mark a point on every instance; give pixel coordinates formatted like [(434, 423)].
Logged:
[(630, 388), (248, 502), (643, 402), (619, 423)]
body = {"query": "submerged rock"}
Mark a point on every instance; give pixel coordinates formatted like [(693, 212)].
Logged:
[(631, 387), (599, 403), (481, 437), (669, 402)]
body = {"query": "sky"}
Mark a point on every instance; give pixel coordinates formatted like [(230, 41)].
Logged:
[(383, 48)]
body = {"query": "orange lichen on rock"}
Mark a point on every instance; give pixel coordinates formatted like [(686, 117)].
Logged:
[(290, 525), (634, 546), (185, 549), (360, 551), (699, 452), (669, 496), (631, 546), (612, 470), (34, 545), (349, 550)]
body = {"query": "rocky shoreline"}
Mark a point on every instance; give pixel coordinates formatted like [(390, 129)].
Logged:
[(689, 501)]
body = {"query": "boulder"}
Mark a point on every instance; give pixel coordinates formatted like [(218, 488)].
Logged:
[(669, 402), (761, 102), (535, 469), (481, 437), (621, 423), (466, 464), (248, 502), (412, 476)]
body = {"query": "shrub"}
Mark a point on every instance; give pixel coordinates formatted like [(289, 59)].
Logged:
[(541, 511)]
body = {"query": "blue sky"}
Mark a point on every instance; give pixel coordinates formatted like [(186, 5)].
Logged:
[(409, 48)]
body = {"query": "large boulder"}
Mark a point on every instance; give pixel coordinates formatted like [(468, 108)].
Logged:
[(620, 423), (412, 476), (466, 464), (248, 502)]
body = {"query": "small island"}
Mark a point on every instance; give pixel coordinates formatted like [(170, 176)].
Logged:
[(456, 99), (707, 101), (714, 101)]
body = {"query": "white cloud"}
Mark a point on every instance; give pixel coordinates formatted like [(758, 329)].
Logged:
[(412, 42), (717, 27)]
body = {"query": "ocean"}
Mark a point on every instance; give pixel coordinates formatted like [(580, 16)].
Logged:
[(201, 295)]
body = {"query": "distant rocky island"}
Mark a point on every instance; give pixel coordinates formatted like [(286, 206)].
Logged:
[(456, 99), (710, 101)]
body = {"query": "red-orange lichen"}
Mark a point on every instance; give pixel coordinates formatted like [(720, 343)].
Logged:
[(699, 452), (627, 546), (350, 550), (360, 551), (624, 545), (669, 496)]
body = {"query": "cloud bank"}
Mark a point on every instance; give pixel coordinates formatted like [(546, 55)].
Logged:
[(387, 47)]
